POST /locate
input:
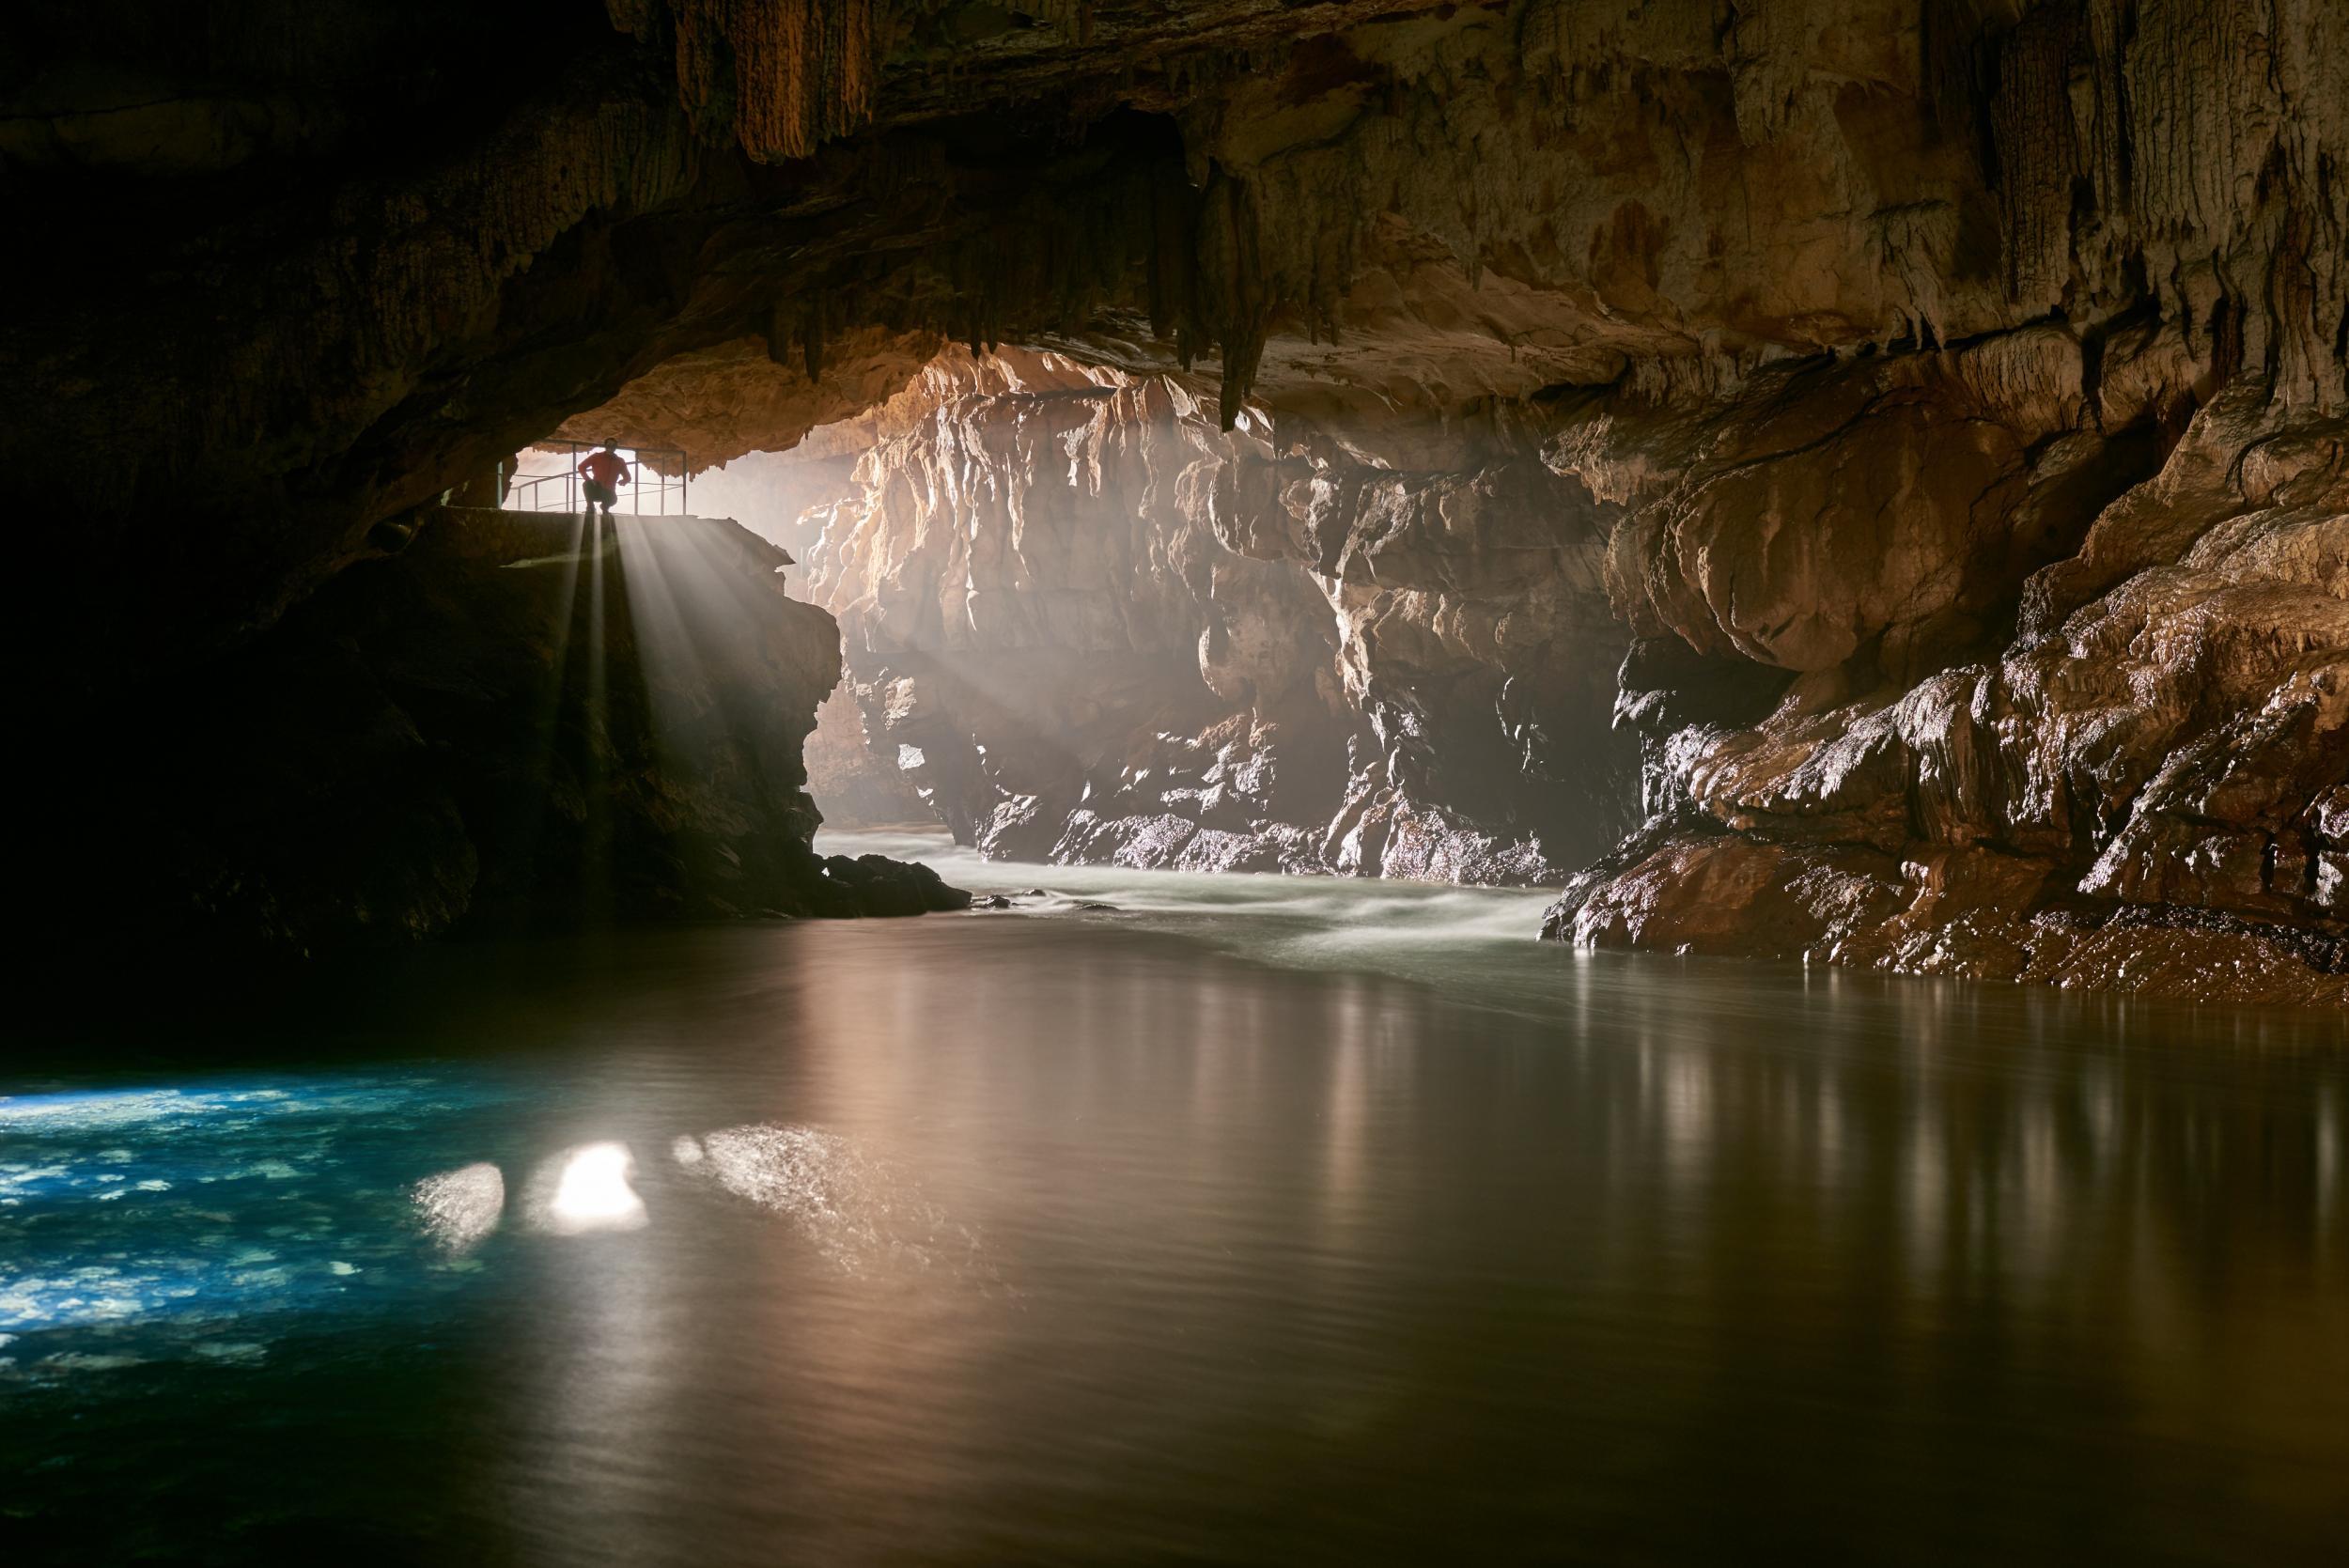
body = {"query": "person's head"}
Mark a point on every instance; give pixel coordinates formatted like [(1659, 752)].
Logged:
[(607, 447)]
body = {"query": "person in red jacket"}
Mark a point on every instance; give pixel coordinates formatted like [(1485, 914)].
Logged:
[(606, 470)]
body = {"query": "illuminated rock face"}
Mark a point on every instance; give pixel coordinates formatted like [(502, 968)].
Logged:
[(1088, 625), (2140, 786), (1935, 412), (1917, 684)]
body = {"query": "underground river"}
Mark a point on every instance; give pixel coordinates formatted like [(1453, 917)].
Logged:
[(1247, 1220)]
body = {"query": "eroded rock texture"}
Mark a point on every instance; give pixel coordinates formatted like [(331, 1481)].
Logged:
[(1916, 430), (2139, 791), (1087, 625)]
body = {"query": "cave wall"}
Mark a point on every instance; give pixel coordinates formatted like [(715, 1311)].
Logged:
[(1089, 625), (2130, 775), (1479, 202), (505, 725), (1944, 398), (1956, 394)]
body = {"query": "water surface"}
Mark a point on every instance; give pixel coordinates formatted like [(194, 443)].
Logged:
[(1251, 1220)]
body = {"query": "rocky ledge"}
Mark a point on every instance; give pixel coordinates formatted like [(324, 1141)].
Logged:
[(501, 723)]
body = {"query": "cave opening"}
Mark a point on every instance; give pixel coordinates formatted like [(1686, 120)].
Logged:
[(1083, 622), (546, 476), (1399, 451)]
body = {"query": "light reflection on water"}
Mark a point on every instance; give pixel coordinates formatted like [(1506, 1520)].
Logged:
[(588, 1188), (1055, 1238)]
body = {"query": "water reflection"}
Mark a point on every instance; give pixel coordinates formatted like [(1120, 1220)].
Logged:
[(153, 1216), (587, 1188), (1653, 1262), (462, 1206), (858, 1213)]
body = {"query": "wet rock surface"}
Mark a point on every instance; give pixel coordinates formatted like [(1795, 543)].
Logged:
[(1828, 635), (2139, 794)]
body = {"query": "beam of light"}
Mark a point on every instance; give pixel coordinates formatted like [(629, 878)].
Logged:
[(563, 615), (666, 649), (460, 1208), (587, 1188), (550, 715), (710, 632), (598, 891)]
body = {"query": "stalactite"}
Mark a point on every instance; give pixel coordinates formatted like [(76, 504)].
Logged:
[(1232, 271), (778, 75), (2038, 158), (2104, 209)]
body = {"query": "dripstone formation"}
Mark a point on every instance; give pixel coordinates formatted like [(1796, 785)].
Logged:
[(1857, 480)]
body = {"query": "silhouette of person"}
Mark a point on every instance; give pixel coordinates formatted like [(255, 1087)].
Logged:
[(606, 470)]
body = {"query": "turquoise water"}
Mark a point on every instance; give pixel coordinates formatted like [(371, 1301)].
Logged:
[(1250, 1219)]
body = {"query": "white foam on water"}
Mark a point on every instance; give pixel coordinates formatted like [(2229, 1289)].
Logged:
[(166, 1211), (81, 1362)]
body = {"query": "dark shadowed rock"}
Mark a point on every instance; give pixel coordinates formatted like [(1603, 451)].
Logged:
[(492, 730), (876, 885)]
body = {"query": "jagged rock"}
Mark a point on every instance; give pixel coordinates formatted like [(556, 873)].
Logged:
[(710, 401), (2175, 747), (843, 773)]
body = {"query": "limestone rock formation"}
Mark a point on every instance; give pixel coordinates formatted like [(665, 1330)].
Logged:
[(2140, 793), (1087, 625), (709, 403), (1914, 430)]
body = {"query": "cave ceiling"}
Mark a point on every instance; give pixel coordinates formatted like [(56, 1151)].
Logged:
[(356, 297)]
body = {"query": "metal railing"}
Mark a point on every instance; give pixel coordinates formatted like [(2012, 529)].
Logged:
[(558, 490)]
